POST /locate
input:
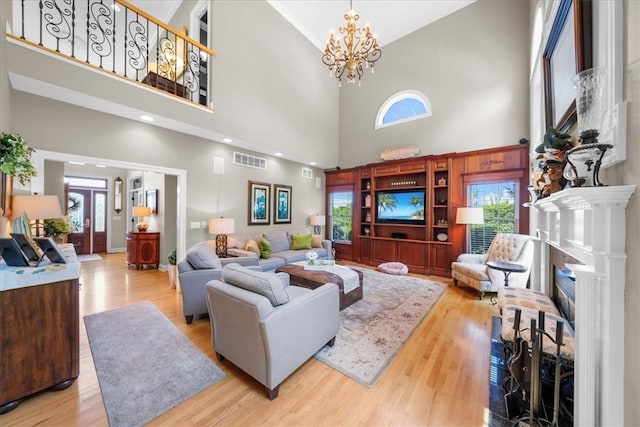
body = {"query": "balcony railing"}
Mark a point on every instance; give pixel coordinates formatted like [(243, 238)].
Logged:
[(119, 38)]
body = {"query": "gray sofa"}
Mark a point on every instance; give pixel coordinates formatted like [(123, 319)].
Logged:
[(201, 264), (266, 327), (282, 249)]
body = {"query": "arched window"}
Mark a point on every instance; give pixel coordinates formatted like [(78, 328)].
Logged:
[(402, 107)]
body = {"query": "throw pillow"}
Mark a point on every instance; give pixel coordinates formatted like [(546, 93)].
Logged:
[(279, 241), (316, 241), (252, 246), (202, 256), (265, 248), (270, 285), (300, 241)]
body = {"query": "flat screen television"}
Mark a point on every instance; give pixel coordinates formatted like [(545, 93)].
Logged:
[(400, 206)]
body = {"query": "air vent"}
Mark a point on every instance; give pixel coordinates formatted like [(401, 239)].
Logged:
[(307, 173), (249, 160)]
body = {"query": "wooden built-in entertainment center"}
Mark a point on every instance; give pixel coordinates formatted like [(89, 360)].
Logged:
[(431, 245)]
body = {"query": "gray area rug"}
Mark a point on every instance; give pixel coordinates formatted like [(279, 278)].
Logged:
[(145, 365), (89, 257), (374, 329)]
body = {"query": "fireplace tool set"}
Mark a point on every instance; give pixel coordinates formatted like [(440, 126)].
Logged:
[(539, 390)]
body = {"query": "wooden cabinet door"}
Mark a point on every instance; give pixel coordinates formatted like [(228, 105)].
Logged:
[(414, 255), (365, 251), (440, 259), (383, 251)]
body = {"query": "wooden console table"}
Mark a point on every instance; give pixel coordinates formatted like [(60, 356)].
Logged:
[(39, 328), (143, 248)]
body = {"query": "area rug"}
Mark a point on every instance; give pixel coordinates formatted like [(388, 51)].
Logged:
[(373, 330), (145, 365), (89, 257)]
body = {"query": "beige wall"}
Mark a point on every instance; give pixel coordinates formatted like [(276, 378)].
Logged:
[(69, 129), (473, 67)]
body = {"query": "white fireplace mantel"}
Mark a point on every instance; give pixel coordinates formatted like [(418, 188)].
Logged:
[(589, 224)]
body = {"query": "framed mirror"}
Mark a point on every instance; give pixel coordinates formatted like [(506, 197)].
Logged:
[(568, 51), (118, 194), (152, 200)]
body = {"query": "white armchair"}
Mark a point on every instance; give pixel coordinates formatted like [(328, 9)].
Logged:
[(472, 270)]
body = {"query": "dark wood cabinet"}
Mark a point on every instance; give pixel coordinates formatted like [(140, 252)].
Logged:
[(39, 337), (163, 83), (143, 248), (431, 245)]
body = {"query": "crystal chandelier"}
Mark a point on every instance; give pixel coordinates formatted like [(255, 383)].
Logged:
[(360, 46)]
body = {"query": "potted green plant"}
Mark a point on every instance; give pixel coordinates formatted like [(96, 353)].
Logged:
[(15, 161), (57, 228), (15, 157), (173, 270)]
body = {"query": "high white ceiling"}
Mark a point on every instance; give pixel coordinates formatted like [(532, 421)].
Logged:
[(389, 19)]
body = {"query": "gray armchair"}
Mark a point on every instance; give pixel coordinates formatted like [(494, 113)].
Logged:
[(200, 265), (266, 327)]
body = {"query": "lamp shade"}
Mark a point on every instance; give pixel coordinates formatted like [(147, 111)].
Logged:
[(470, 216), (36, 207), (221, 225), (141, 211), (317, 220)]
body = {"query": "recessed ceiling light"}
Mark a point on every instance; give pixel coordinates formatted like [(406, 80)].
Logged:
[(279, 154), (100, 166), (312, 163), (227, 140), (115, 7), (76, 163), (146, 118)]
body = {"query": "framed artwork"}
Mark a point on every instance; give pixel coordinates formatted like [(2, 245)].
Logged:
[(568, 52), (259, 199), (281, 204), (151, 200)]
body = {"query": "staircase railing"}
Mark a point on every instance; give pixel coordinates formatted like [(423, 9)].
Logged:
[(117, 37)]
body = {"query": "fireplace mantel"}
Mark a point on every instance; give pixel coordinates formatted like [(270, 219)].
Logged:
[(589, 224)]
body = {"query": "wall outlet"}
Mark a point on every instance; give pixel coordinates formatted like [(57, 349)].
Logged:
[(203, 224)]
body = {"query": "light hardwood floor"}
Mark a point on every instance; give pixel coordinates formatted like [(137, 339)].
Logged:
[(439, 377)]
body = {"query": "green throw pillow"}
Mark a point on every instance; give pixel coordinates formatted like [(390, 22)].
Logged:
[(265, 248), (300, 241)]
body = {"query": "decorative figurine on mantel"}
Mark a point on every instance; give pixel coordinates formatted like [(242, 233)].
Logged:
[(549, 178)]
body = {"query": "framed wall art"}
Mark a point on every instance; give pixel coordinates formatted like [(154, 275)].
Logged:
[(259, 199), (568, 51), (282, 204)]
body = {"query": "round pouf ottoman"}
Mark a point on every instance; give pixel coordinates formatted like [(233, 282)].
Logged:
[(394, 268)]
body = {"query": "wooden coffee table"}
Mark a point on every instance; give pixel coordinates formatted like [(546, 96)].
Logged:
[(312, 279)]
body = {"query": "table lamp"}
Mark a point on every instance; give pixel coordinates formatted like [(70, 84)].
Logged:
[(317, 221), (221, 227), (141, 212), (37, 208), (469, 216)]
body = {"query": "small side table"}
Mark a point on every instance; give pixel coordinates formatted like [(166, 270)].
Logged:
[(507, 268)]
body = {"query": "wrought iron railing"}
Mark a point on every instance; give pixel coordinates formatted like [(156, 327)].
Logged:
[(119, 38)]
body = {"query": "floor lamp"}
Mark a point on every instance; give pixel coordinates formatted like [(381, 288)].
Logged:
[(221, 227), (37, 208), (469, 216)]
